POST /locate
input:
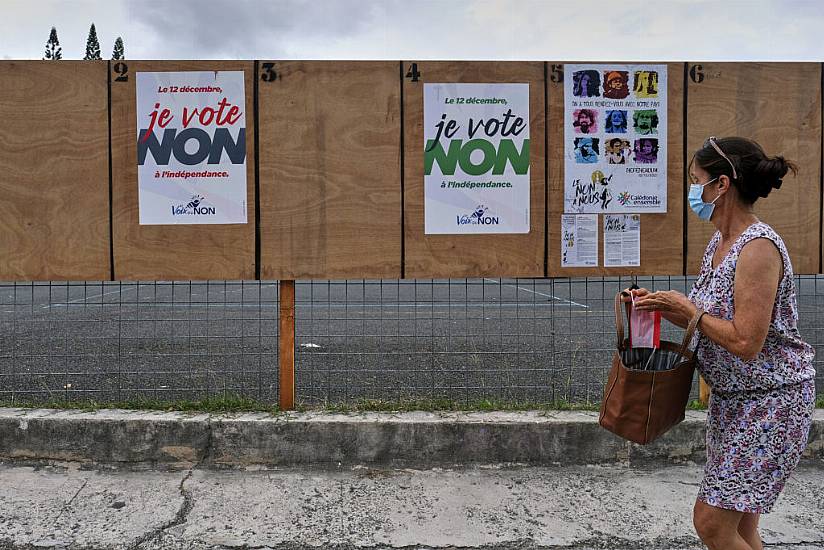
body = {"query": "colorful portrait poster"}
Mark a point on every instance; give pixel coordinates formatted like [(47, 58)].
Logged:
[(191, 148), (615, 139), (476, 158)]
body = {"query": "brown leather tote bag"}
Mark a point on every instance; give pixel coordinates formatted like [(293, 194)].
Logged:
[(647, 390)]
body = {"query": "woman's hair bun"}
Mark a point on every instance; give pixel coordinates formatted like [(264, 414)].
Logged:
[(769, 174), (772, 168)]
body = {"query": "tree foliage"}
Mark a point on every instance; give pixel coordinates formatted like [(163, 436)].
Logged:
[(53, 50), (119, 52), (92, 45)]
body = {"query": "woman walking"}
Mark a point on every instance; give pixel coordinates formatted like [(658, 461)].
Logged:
[(748, 346)]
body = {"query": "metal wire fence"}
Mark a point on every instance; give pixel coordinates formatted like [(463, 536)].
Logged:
[(506, 340), (117, 341)]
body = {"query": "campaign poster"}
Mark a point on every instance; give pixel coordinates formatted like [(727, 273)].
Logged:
[(476, 158), (615, 139), (622, 240), (579, 240), (191, 147)]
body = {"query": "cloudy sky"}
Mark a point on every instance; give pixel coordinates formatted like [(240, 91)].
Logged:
[(423, 29)]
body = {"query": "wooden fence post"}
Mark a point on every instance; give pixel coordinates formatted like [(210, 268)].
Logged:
[(287, 345)]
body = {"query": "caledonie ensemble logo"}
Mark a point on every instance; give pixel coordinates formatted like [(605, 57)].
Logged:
[(625, 198)]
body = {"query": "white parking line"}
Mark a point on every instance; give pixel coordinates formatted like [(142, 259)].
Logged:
[(539, 293), (455, 305), (84, 298), (82, 302)]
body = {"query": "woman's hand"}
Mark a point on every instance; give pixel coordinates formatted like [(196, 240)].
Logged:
[(630, 295), (671, 303), (673, 315)]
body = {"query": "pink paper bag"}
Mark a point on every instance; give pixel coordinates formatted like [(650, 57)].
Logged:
[(645, 328)]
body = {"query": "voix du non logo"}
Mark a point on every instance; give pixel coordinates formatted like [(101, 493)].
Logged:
[(479, 216), (195, 207)]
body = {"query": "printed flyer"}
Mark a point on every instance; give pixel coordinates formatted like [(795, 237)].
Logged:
[(579, 240), (615, 139), (476, 158), (191, 147), (622, 240)]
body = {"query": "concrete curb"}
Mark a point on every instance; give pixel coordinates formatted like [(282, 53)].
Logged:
[(416, 439)]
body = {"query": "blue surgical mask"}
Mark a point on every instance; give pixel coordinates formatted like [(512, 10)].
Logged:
[(703, 209)]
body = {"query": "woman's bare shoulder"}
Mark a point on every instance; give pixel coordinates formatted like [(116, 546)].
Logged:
[(761, 249), (759, 257)]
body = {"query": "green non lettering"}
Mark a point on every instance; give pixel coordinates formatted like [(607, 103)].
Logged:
[(491, 160), (434, 152), (507, 152), (487, 162)]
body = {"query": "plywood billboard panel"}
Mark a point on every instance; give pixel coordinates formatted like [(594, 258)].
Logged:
[(493, 255), (779, 106), (330, 189), (54, 171), (661, 234), (331, 202), (173, 251)]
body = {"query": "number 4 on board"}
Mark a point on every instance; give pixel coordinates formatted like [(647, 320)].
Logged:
[(413, 72)]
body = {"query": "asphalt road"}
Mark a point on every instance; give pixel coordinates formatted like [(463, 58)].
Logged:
[(505, 339)]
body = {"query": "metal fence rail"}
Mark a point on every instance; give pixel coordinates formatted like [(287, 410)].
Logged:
[(464, 340)]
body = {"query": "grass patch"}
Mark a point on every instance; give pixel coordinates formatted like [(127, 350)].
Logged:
[(236, 403), (217, 403), (407, 405), (696, 405)]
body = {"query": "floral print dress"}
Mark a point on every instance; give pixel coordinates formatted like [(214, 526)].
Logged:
[(760, 411)]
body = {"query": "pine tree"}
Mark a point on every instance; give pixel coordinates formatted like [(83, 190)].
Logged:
[(119, 52), (53, 50), (92, 45)]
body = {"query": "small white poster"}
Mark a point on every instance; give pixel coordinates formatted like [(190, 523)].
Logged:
[(615, 138), (476, 158), (579, 240), (191, 147), (622, 240)]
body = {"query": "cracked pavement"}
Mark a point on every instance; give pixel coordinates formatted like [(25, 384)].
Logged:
[(66, 506)]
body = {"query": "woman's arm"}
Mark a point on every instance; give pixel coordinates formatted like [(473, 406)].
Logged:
[(676, 318), (757, 274)]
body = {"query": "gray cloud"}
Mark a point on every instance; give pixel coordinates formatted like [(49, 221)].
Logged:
[(197, 29), (423, 29)]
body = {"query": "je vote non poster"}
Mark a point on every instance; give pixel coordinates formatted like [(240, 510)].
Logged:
[(476, 158), (191, 147)]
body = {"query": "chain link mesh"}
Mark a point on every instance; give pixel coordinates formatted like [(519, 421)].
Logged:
[(463, 340)]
